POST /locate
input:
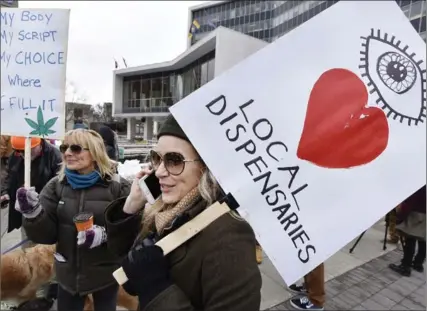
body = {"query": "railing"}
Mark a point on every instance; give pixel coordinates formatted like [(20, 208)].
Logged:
[(148, 105)]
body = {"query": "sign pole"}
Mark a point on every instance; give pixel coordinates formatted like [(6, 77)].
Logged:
[(27, 163)]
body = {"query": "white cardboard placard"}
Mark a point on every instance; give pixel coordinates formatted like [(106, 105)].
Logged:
[(319, 134), (33, 67)]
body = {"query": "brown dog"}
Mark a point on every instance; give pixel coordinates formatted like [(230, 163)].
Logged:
[(23, 272)]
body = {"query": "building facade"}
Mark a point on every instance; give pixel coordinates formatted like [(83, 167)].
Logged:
[(144, 94), (269, 20), (9, 3)]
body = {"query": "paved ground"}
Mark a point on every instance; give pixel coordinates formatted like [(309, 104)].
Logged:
[(274, 290), (373, 286)]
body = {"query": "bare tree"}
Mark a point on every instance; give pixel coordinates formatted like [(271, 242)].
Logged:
[(72, 93)]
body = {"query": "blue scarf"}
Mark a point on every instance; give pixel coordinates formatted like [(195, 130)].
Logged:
[(78, 181)]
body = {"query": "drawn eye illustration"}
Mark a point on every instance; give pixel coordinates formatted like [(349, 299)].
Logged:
[(395, 76)]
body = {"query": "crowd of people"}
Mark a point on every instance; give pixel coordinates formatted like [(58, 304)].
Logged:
[(215, 270)]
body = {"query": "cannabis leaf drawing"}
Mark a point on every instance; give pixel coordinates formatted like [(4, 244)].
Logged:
[(41, 128)]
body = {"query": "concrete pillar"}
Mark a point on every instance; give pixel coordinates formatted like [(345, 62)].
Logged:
[(131, 124), (148, 128)]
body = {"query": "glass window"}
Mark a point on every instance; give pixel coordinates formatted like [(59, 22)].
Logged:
[(156, 88), (416, 24), (416, 8), (211, 69), (423, 24), (204, 74), (126, 92), (145, 89), (136, 89), (232, 13)]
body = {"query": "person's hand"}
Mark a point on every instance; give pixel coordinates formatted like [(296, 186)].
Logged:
[(92, 237), (27, 202), (147, 271), (136, 199)]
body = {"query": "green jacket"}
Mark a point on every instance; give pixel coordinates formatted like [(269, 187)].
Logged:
[(214, 271)]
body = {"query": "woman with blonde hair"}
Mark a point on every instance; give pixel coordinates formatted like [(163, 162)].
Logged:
[(77, 197), (215, 270)]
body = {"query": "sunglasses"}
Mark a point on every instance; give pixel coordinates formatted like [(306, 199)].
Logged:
[(174, 162), (73, 148)]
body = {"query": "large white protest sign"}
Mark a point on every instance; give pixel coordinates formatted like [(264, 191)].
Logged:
[(319, 134), (33, 64)]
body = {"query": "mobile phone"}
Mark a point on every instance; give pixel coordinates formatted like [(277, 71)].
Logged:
[(151, 187)]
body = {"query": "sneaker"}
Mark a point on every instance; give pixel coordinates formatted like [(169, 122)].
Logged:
[(401, 269), (298, 289), (304, 303), (418, 268)]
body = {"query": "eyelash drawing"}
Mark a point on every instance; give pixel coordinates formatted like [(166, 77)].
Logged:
[(398, 71)]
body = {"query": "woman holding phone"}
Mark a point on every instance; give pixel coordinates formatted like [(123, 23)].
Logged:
[(69, 212), (215, 270)]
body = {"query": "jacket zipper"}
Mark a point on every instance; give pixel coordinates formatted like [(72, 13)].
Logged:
[(81, 207)]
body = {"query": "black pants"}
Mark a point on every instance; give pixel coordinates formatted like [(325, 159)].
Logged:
[(409, 252), (103, 300)]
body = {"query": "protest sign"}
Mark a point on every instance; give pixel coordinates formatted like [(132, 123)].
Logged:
[(320, 134), (33, 64)]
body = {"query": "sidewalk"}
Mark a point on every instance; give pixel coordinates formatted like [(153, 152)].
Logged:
[(274, 290), (373, 286)]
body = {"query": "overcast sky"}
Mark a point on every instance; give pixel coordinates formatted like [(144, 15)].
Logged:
[(143, 32)]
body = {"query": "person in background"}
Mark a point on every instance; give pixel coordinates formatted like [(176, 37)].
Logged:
[(393, 237), (45, 164), (78, 124), (215, 270), (411, 215), (312, 291), (86, 183), (5, 152), (110, 143)]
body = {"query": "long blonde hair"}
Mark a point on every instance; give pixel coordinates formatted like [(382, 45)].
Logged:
[(93, 141)]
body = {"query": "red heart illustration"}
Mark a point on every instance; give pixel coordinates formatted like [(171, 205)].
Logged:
[(339, 131)]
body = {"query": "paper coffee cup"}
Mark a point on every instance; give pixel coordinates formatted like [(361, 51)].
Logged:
[(83, 221)]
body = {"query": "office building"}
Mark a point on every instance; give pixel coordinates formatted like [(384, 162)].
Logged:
[(222, 34), (269, 20), (9, 3), (144, 94)]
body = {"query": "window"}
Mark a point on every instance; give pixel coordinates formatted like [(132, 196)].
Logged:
[(145, 89), (126, 92), (204, 74), (423, 24), (416, 9), (211, 69), (416, 24), (156, 88)]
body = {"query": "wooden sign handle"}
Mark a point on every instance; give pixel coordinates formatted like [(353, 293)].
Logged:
[(183, 233), (27, 163)]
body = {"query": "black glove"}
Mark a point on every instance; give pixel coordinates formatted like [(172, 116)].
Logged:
[(148, 273)]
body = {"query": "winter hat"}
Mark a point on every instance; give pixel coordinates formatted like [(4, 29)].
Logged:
[(171, 127), (18, 143)]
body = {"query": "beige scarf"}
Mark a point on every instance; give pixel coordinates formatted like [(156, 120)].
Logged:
[(161, 215)]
